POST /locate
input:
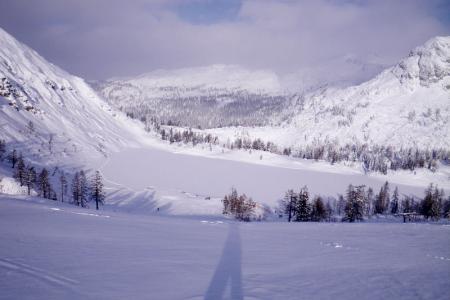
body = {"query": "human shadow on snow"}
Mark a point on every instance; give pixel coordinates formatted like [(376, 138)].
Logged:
[(228, 269)]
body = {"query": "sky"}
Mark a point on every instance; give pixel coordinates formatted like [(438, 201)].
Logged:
[(99, 39)]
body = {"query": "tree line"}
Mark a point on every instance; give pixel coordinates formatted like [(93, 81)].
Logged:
[(373, 158), (356, 204), (216, 109), (83, 189)]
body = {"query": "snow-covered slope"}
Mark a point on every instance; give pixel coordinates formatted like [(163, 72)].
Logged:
[(49, 114), (407, 105)]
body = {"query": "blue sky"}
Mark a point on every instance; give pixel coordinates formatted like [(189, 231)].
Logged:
[(216, 11), (209, 12), (104, 38)]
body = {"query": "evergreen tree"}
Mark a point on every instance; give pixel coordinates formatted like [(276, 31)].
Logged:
[(12, 158), (370, 202), (408, 204), (63, 185), (340, 205), (2, 149), (354, 208), (319, 211), (446, 208), (329, 211), (431, 204), (382, 200), (30, 179), (394, 202), (303, 207), (44, 184), (288, 204), (76, 190), (97, 192), (84, 189), (20, 171)]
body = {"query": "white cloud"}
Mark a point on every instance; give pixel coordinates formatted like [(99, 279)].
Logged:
[(102, 38)]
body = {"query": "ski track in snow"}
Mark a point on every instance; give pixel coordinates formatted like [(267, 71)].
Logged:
[(80, 213), (37, 273)]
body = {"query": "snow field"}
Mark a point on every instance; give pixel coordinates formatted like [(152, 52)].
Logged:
[(50, 251)]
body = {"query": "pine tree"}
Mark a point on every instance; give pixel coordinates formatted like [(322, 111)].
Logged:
[(12, 158), (382, 200), (44, 184), (446, 208), (303, 207), (318, 212), (2, 149), (387, 196), (370, 202), (394, 202), (329, 210), (97, 189), (76, 191), (84, 189), (438, 197), (408, 204), (340, 205), (20, 171), (431, 204), (63, 185), (30, 179), (288, 204), (354, 208)]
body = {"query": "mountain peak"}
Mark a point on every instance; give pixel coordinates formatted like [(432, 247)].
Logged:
[(426, 64)]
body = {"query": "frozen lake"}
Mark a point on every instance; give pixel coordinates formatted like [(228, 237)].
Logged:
[(149, 167)]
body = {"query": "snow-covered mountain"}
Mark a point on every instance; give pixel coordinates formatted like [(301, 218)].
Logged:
[(214, 96), (49, 114), (226, 95), (407, 105)]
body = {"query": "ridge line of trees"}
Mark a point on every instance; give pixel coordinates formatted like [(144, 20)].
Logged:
[(357, 204), (373, 158)]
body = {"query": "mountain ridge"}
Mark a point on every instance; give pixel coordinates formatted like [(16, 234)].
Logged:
[(51, 114)]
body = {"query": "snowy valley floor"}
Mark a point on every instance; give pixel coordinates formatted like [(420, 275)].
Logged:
[(178, 179), (54, 251)]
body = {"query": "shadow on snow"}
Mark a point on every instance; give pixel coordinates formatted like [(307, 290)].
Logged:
[(228, 269)]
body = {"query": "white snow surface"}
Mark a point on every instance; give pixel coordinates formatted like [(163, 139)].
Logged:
[(55, 251)]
